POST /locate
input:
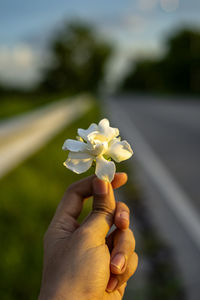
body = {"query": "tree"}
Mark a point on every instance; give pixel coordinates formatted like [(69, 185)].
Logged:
[(181, 66), (178, 71), (144, 76), (78, 60)]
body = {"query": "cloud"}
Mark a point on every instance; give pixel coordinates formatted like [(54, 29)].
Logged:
[(135, 23), (19, 65), (169, 5), (147, 5)]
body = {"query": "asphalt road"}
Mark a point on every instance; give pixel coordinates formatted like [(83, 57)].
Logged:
[(173, 131), (166, 137)]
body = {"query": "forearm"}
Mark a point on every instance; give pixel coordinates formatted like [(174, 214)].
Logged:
[(70, 293)]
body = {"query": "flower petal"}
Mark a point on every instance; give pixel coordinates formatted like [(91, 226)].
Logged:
[(78, 162), (85, 132), (104, 123), (73, 145), (106, 130), (119, 151), (96, 136), (105, 170)]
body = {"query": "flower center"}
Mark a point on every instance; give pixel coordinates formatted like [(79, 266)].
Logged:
[(97, 147)]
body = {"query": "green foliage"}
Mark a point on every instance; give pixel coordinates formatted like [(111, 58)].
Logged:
[(177, 72), (78, 59), (29, 196), (10, 106)]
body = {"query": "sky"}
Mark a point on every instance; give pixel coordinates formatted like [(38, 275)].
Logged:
[(136, 27)]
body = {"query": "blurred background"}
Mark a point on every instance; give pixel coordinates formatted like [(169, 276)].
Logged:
[(66, 64)]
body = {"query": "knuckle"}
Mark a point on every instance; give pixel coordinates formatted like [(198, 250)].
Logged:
[(129, 241), (129, 248), (132, 265), (102, 208), (129, 271), (125, 241), (123, 206), (129, 233), (130, 236), (71, 188)]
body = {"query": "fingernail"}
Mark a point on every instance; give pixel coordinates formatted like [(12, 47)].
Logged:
[(124, 215), (118, 261), (100, 187), (113, 282)]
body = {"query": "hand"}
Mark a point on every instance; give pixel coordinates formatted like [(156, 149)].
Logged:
[(80, 262)]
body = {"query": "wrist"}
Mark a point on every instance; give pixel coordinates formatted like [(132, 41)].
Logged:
[(58, 295), (51, 294)]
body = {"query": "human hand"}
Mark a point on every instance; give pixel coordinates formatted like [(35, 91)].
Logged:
[(80, 262)]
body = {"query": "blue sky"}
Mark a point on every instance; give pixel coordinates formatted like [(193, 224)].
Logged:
[(137, 27)]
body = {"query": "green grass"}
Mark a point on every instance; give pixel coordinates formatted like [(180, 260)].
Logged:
[(29, 196), (16, 104)]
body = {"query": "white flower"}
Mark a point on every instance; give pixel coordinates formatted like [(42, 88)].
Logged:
[(97, 143)]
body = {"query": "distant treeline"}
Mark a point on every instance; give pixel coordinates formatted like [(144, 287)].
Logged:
[(178, 71), (78, 59)]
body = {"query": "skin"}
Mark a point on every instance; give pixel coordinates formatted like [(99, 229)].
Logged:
[(80, 260)]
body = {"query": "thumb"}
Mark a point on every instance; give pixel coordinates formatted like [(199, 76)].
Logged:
[(102, 216)]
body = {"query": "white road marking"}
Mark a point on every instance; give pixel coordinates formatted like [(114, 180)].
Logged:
[(176, 198), (21, 137)]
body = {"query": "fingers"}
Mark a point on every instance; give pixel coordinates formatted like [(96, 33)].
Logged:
[(104, 205), (122, 216), (124, 260), (72, 202), (113, 283), (123, 247), (119, 180), (121, 289), (117, 281), (101, 218)]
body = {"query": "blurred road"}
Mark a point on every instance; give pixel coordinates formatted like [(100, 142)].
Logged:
[(173, 131), (21, 136), (166, 138)]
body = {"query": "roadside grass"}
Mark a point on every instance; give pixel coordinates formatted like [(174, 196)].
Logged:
[(12, 105), (29, 196)]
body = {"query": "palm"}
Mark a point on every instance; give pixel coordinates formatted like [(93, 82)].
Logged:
[(98, 258)]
